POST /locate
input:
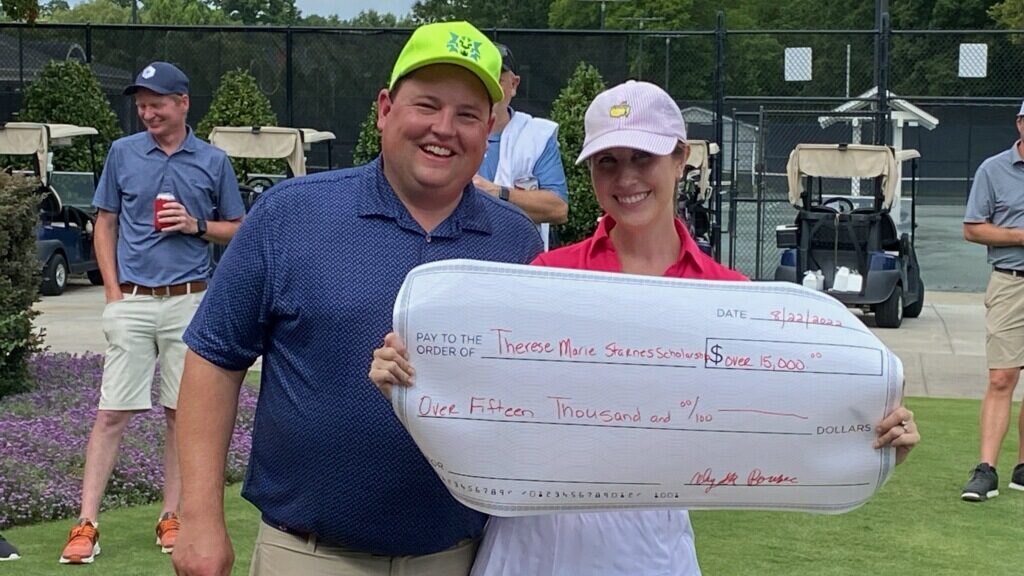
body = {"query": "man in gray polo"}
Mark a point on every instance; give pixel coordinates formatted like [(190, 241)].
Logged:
[(154, 258), (995, 218)]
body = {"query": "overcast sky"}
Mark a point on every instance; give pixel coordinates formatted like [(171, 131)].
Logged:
[(348, 8)]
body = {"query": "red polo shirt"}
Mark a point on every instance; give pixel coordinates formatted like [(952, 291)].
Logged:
[(598, 253)]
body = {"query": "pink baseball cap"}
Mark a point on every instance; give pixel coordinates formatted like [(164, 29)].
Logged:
[(635, 115)]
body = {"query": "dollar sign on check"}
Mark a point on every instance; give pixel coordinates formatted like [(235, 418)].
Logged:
[(716, 356)]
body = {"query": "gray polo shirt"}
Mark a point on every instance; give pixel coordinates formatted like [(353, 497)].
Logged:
[(997, 196)]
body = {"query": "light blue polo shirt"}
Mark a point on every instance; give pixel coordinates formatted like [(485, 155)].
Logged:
[(200, 177), (997, 196), (548, 170)]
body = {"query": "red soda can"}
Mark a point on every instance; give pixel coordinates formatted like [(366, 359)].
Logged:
[(161, 201)]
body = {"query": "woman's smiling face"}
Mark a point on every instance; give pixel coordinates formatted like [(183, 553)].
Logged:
[(634, 187)]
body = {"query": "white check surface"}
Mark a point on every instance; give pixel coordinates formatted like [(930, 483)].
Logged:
[(541, 390)]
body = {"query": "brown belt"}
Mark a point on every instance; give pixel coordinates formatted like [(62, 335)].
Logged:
[(1010, 271), (163, 291)]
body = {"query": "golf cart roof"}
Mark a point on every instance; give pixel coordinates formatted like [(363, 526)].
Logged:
[(699, 158), (846, 161), (26, 138), (269, 142), (311, 136)]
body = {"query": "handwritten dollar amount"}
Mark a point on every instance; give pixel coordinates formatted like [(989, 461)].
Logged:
[(717, 357), (694, 415), (792, 357)]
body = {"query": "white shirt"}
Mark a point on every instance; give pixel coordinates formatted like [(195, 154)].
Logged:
[(648, 543)]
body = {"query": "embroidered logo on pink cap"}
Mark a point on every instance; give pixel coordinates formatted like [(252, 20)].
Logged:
[(635, 115)]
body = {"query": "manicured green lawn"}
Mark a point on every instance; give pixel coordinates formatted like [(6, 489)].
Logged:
[(916, 525), (128, 540)]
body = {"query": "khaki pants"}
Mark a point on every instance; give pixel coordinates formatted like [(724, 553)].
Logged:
[(1004, 321), (278, 553), (141, 330)]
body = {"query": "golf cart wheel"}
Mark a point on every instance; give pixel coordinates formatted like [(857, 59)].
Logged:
[(95, 278), (889, 314), (914, 310), (55, 275)]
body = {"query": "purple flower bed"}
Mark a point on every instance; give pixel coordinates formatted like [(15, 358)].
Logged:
[(43, 435)]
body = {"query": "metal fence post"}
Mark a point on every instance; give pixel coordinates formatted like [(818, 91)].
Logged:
[(21, 57), (759, 193), (719, 80), (668, 50), (288, 91), (733, 177), (88, 43), (882, 78)]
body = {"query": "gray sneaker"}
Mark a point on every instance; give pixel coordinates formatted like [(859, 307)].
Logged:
[(7, 551), (1017, 479), (984, 484)]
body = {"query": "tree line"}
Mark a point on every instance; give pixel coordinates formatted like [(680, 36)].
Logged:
[(542, 14)]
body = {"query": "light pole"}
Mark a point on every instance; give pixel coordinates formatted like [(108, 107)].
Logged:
[(640, 55), (603, 2)]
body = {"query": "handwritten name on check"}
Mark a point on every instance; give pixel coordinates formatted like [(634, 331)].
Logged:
[(542, 390)]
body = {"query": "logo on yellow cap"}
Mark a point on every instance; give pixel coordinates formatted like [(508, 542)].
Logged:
[(464, 46), (620, 110)]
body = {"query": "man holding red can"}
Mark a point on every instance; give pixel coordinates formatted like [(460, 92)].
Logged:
[(164, 195)]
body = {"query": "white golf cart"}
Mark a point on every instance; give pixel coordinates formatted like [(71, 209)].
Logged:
[(851, 242), (268, 142), (64, 234)]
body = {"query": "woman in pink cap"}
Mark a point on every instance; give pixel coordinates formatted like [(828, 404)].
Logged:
[(635, 146)]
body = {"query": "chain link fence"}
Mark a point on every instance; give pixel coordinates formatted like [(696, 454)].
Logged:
[(952, 95)]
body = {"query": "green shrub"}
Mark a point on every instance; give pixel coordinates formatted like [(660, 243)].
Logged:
[(67, 92), (368, 146), (568, 110), (238, 101), (19, 280)]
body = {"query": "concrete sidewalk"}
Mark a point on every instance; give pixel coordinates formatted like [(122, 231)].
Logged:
[(943, 351)]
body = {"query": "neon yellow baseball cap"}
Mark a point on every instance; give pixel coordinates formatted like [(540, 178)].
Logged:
[(458, 43)]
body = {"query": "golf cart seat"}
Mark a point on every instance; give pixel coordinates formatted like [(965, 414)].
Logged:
[(845, 232)]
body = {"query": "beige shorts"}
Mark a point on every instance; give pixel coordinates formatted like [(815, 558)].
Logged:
[(1004, 321), (279, 553), (141, 330)]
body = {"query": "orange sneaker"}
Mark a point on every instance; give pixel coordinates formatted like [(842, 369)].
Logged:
[(167, 532), (83, 544)]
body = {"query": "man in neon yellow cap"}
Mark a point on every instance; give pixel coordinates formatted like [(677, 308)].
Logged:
[(309, 284)]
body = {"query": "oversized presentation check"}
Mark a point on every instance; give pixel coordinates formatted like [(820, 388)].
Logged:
[(543, 390)]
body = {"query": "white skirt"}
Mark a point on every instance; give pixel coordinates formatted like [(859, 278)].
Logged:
[(648, 543)]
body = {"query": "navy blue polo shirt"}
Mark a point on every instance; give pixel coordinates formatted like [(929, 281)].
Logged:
[(198, 175), (309, 282)]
